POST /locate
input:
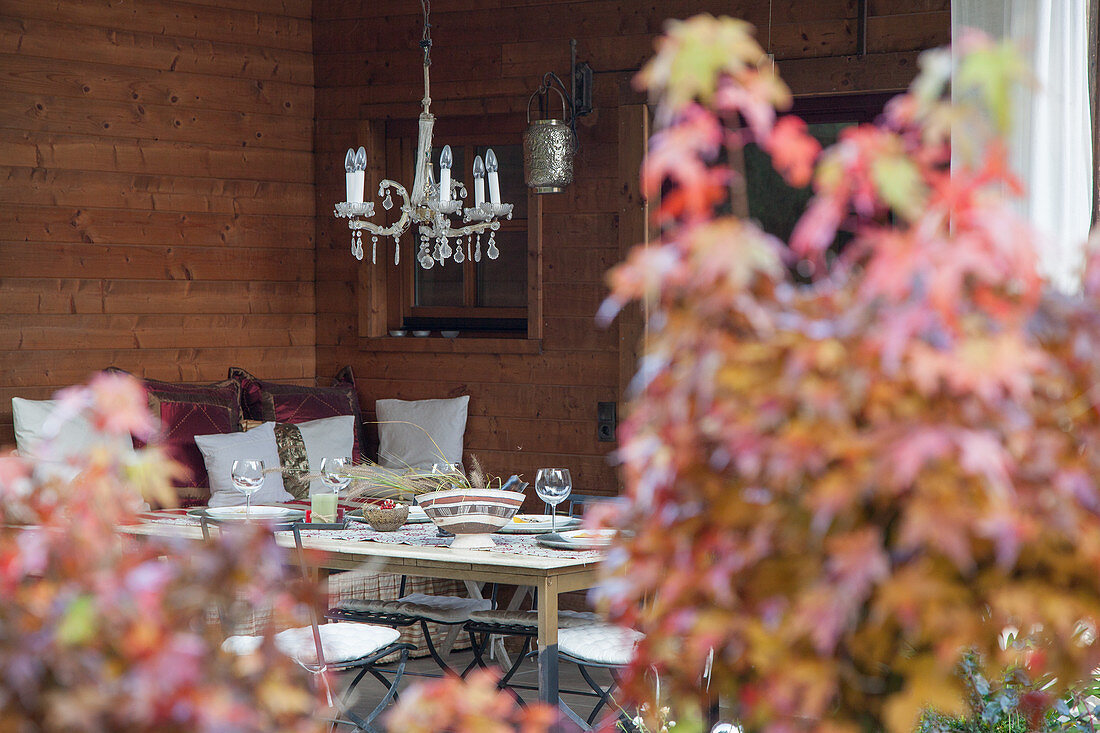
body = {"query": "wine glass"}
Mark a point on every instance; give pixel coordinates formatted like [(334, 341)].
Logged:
[(334, 472), (248, 477), (553, 486)]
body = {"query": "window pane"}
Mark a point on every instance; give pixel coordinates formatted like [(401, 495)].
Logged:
[(441, 285), (502, 283), (512, 188), (774, 204)]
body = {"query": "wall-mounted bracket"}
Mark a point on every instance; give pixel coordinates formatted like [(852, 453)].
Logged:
[(581, 75)]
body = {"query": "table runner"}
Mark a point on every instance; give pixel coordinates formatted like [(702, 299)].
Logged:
[(427, 535), (422, 535)]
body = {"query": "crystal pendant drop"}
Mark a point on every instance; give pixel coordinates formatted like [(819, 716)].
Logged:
[(396, 250), (460, 256), (492, 250), (445, 250), (373, 250), (387, 203), (477, 249)]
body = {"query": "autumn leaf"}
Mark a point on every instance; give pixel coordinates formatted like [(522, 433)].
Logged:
[(990, 71), (78, 624), (793, 150), (694, 54), (928, 686), (899, 184)]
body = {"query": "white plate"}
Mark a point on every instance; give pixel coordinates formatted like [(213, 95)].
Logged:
[(256, 512), (536, 524), (589, 537)]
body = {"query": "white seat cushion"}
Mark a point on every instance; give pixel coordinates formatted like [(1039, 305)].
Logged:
[(441, 609), (242, 645), (340, 642), (599, 644)]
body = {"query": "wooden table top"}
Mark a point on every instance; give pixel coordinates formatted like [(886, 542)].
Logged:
[(443, 562)]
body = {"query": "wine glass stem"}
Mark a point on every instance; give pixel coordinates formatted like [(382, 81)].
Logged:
[(247, 506), (554, 518)]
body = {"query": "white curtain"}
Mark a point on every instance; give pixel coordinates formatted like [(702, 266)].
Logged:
[(1051, 144)]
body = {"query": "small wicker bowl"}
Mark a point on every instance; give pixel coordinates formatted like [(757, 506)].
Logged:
[(386, 520)]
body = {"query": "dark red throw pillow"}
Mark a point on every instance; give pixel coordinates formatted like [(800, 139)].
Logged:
[(291, 403), (187, 410)]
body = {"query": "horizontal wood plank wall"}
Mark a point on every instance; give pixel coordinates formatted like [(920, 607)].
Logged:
[(156, 191), (528, 411)]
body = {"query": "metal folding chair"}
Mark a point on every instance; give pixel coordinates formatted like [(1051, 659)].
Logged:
[(484, 625), (598, 646), (335, 647), (414, 608)]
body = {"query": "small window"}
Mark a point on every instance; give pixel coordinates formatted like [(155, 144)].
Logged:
[(480, 296), (481, 292), (777, 206)]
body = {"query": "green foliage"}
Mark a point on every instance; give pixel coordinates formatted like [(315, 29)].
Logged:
[(995, 708)]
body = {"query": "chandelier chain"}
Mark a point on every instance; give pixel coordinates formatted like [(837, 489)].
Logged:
[(426, 36), (430, 207)]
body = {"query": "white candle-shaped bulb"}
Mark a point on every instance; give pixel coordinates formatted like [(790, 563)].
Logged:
[(479, 181), (494, 181), (446, 160)]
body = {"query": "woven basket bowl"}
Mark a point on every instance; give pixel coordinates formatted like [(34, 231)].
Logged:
[(386, 520)]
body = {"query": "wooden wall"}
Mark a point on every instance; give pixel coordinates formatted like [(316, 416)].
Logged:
[(168, 168), (534, 410), (156, 191)]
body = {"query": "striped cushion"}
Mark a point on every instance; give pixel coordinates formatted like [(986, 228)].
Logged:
[(530, 619), (441, 609)]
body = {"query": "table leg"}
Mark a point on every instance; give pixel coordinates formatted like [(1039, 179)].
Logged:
[(548, 642)]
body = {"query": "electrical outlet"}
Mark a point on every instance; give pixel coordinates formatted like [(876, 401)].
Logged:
[(606, 421)]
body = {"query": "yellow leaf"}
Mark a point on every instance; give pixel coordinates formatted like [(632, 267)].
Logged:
[(927, 686), (78, 625)]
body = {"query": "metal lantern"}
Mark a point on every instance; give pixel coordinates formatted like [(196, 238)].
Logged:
[(549, 145)]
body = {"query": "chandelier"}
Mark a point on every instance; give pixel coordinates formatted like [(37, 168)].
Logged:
[(430, 205)]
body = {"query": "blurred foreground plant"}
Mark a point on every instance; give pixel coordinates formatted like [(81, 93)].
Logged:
[(471, 705), (105, 632), (840, 488)]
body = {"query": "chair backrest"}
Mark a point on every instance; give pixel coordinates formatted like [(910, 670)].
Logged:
[(205, 523), (297, 529), (577, 502)]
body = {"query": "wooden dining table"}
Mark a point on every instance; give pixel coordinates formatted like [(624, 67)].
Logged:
[(550, 573)]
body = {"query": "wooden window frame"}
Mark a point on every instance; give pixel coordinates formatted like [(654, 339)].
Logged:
[(385, 290)]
